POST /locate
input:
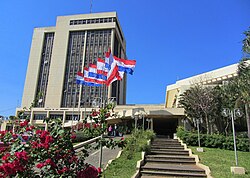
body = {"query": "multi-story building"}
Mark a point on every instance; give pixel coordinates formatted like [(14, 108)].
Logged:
[(58, 53)]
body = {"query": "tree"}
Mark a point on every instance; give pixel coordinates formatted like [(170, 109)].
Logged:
[(199, 102), (243, 79)]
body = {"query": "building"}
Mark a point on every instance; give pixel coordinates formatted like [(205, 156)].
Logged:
[(214, 77), (58, 53)]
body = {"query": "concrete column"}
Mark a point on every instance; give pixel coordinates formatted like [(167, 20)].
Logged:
[(46, 125), (64, 118), (3, 126), (31, 116), (152, 124), (81, 115)]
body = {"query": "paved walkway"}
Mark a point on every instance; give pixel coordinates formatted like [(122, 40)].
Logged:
[(107, 154)]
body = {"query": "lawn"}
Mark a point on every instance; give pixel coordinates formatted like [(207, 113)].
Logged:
[(220, 161), (122, 167), (125, 165)]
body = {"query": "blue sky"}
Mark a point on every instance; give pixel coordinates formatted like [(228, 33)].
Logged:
[(170, 39)]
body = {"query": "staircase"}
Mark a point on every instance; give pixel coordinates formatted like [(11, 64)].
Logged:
[(169, 159)]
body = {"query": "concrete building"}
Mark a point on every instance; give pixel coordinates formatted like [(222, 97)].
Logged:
[(214, 77), (58, 53)]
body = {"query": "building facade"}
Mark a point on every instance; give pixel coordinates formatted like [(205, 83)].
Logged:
[(58, 53), (214, 77)]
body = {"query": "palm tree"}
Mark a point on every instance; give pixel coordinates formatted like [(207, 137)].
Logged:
[(243, 79)]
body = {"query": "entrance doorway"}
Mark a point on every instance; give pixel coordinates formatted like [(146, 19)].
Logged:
[(165, 126)]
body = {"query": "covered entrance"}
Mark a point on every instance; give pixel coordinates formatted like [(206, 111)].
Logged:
[(165, 126)]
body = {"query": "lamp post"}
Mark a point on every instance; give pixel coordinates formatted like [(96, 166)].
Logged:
[(233, 114), (197, 123), (137, 116)]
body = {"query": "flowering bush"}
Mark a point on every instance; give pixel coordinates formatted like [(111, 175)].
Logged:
[(32, 152), (44, 153)]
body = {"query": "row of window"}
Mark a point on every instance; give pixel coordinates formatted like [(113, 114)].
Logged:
[(44, 69), (92, 21), (55, 116)]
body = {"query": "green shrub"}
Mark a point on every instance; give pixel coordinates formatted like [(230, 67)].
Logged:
[(212, 141), (137, 142), (80, 137)]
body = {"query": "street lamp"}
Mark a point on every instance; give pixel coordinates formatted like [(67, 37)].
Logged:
[(197, 123), (137, 115), (97, 102), (234, 113)]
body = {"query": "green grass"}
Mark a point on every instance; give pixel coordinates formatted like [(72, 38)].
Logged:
[(220, 161), (122, 167), (125, 165)]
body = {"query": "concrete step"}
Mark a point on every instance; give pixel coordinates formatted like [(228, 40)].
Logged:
[(172, 157), (166, 140), (166, 147), (172, 174), (169, 161), (172, 167), (173, 152), (166, 144)]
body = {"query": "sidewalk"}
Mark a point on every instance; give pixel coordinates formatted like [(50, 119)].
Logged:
[(107, 154)]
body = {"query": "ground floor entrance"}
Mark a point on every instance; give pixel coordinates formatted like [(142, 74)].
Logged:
[(165, 126)]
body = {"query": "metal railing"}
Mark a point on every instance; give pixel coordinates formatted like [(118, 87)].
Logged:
[(82, 144)]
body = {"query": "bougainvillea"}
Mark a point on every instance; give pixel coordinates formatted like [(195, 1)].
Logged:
[(32, 152)]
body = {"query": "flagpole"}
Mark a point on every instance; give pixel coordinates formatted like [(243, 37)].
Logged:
[(83, 61), (79, 103), (73, 110), (84, 102), (91, 2)]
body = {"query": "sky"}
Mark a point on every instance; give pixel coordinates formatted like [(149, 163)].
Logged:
[(170, 39)]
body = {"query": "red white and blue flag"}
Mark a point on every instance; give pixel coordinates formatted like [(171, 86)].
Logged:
[(106, 71), (82, 80)]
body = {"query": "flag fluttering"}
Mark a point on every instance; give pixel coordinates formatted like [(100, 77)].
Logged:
[(106, 71)]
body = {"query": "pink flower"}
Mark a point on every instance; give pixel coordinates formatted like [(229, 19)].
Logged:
[(8, 168), (30, 128), (6, 157), (34, 144), (50, 162), (14, 136), (40, 165), (25, 123), (99, 170), (38, 132), (73, 137), (65, 169), (48, 139), (25, 137), (22, 155), (87, 125)]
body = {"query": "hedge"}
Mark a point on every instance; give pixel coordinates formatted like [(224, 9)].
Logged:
[(212, 141)]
